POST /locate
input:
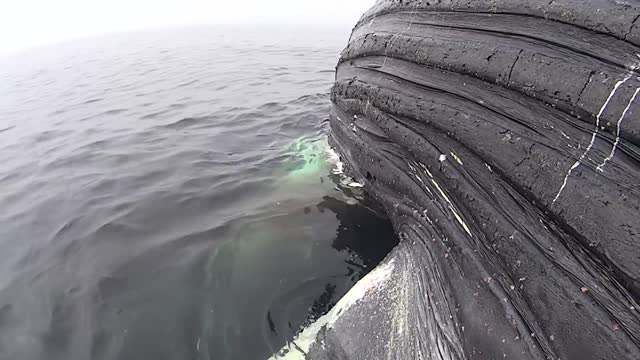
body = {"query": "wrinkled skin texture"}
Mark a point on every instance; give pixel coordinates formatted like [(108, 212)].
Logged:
[(502, 138)]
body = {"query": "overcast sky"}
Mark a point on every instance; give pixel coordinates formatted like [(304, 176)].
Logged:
[(28, 23)]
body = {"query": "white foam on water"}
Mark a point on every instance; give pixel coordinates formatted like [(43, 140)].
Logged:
[(334, 158)]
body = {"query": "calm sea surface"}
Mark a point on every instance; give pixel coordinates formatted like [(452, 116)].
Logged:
[(171, 195)]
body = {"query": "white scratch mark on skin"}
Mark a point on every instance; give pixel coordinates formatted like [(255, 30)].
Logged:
[(395, 37), (618, 125), (593, 137)]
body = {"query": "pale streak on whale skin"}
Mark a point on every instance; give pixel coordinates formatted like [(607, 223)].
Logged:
[(615, 145), (593, 137)]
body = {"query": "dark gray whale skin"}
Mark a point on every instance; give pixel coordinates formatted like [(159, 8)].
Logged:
[(502, 138)]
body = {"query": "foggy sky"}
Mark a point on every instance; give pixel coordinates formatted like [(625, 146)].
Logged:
[(28, 23)]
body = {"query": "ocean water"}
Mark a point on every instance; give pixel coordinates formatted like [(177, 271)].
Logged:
[(171, 195)]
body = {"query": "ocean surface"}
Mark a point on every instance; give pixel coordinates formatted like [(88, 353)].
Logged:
[(171, 195)]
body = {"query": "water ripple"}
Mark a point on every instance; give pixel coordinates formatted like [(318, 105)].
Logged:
[(149, 202)]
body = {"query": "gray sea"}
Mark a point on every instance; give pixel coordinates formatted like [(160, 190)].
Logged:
[(172, 195)]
